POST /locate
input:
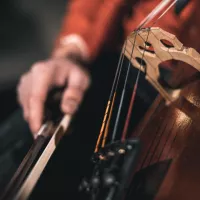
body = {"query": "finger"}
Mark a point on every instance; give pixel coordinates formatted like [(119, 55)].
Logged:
[(79, 78), (78, 81), (71, 100), (41, 81)]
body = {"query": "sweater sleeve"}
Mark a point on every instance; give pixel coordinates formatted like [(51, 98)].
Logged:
[(94, 21), (100, 23)]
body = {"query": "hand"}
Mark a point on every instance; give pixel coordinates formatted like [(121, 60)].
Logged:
[(34, 86)]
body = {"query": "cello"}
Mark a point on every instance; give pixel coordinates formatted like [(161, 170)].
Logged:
[(152, 139)]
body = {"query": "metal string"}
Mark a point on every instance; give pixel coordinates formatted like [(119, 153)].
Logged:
[(134, 92), (150, 17), (111, 97), (155, 12), (167, 9), (123, 93)]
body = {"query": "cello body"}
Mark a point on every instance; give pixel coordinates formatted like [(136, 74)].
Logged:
[(169, 162), (170, 150), (168, 167)]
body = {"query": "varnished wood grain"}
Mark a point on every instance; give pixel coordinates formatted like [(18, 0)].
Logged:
[(172, 133)]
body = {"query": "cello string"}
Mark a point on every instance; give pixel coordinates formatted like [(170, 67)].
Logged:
[(168, 137), (137, 187), (160, 138), (155, 12), (108, 122), (164, 12), (160, 59), (106, 128), (177, 132), (162, 150), (133, 94), (111, 100), (135, 88), (149, 17), (156, 148), (124, 133), (174, 136), (123, 93)]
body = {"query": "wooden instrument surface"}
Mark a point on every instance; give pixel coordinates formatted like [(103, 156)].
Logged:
[(171, 144)]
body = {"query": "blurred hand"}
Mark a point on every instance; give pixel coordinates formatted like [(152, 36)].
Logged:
[(34, 86)]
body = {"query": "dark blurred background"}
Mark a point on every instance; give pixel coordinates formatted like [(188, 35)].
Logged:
[(27, 32)]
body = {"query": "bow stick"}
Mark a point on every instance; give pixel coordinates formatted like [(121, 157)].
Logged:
[(156, 11), (37, 170)]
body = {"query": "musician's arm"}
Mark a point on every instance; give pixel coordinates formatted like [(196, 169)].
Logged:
[(89, 25)]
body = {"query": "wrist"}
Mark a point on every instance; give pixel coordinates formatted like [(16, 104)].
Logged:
[(73, 47)]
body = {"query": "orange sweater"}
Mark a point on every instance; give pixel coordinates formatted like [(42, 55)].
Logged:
[(106, 23)]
